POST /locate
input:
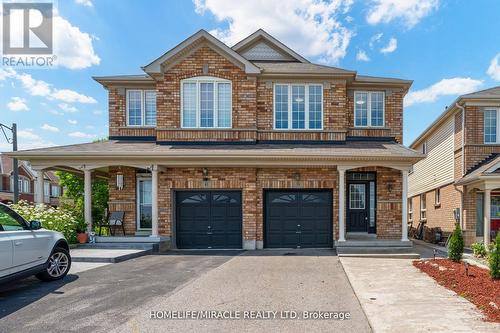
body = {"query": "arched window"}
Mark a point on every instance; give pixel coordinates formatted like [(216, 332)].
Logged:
[(206, 102)]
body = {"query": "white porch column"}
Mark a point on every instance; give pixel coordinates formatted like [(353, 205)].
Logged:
[(487, 217), (39, 187), (154, 201), (404, 207), (341, 204), (87, 203)]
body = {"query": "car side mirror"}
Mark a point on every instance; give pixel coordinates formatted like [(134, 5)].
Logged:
[(35, 225)]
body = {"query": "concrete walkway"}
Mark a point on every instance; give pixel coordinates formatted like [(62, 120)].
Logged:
[(397, 297), (304, 280)]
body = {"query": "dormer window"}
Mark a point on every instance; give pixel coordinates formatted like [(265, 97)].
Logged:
[(141, 107), (206, 102)]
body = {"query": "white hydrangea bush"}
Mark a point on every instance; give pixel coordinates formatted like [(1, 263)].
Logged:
[(58, 219)]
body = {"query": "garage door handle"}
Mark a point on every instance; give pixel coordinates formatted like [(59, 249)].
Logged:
[(209, 233), (18, 243), (298, 232)]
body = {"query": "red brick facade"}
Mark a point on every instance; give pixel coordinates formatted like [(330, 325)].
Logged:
[(252, 120)]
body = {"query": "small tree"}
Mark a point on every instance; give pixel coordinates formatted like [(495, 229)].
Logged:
[(456, 244), (494, 259)]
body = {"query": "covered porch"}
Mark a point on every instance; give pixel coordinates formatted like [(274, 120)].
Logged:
[(481, 190), (364, 186)]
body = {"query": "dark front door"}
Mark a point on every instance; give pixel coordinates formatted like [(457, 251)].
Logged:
[(298, 219), (208, 220), (361, 202)]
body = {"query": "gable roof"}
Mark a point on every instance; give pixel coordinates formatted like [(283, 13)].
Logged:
[(486, 94), (261, 35), (493, 92), (300, 68), (155, 66), (489, 167), (7, 166)]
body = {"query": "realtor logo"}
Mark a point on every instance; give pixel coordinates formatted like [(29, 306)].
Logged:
[(27, 34)]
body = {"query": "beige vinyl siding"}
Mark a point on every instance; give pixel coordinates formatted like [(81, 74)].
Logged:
[(437, 168)]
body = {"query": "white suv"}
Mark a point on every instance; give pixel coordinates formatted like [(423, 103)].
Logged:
[(27, 249)]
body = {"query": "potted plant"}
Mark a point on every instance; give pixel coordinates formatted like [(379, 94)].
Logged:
[(81, 232)]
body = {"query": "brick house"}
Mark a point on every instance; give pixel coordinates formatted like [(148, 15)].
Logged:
[(460, 171), (27, 183), (248, 146)]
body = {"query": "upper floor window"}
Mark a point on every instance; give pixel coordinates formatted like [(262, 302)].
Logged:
[(369, 108), (206, 102), (298, 106), (424, 147), (491, 125), (141, 107)]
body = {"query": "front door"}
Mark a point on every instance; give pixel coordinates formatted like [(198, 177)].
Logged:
[(361, 202)]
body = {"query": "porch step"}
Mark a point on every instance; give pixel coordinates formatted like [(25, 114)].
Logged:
[(127, 239), (373, 243), (116, 245), (106, 255), (404, 252)]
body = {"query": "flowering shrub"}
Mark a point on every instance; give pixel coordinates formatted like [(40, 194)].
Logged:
[(58, 219)]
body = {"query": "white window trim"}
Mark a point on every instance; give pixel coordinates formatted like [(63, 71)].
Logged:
[(498, 126), (437, 196), (143, 107), (215, 81), (138, 202), (369, 108), (24, 181), (410, 209), (423, 210), (306, 106)]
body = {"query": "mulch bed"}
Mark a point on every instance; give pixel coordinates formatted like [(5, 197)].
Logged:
[(479, 288)]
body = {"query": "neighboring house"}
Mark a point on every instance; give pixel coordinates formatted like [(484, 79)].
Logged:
[(27, 183), (248, 147), (462, 168)]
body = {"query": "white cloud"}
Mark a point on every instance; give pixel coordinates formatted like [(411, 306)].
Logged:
[(71, 96), (55, 112), (97, 112), (34, 87), (73, 47), (313, 28), (494, 69), (453, 86), (391, 46), (17, 104), (43, 89), (410, 12), (72, 122), (81, 135), (6, 73), (28, 135), (86, 3), (47, 127), (375, 39), (362, 56)]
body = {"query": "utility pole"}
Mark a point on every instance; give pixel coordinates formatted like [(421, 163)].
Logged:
[(15, 164)]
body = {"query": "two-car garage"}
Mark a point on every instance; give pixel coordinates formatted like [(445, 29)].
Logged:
[(292, 219)]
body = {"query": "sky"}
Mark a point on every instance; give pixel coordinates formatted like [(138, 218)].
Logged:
[(447, 48)]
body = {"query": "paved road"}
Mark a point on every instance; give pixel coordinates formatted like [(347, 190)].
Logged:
[(122, 296)]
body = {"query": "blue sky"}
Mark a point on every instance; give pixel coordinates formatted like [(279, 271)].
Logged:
[(447, 47)]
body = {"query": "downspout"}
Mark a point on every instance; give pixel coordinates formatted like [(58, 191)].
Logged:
[(462, 226)]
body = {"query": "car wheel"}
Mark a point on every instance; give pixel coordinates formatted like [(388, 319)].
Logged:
[(58, 265)]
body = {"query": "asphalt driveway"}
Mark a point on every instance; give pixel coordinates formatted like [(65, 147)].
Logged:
[(122, 297)]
